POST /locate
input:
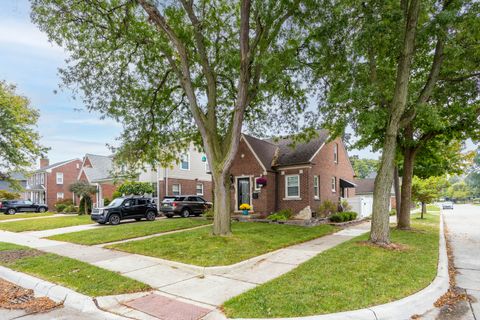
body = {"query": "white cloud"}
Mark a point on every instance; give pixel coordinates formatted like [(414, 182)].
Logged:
[(13, 32), (94, 122)]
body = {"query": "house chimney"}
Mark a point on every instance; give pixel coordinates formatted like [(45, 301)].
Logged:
[(44, 162)]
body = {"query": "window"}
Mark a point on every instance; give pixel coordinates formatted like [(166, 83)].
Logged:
[(334, 184), (155, 189), (185, 162), (316, 192), (176, 189), (207, 167), (199, 189), (335, 152), (78, 166), (59, 177), (292, 186), (59, 195), (42, 178)]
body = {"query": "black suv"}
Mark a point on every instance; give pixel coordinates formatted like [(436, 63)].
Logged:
[(14, 206), (184, 206), (125, 208)]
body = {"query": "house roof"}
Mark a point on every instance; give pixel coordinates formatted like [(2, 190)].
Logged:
[(366, 186), (283, 151), (57, 164), (100, 169)]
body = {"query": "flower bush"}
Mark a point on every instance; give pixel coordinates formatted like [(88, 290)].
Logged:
[(245, 206), (262, 181)]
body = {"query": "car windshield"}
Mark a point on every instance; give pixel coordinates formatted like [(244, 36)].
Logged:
[(115, 203)]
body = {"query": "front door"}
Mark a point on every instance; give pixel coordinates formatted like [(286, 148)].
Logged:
[(243, 191)]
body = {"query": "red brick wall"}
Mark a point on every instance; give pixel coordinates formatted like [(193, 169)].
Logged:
[(107, 190), (70, 174), (325, 167), (187, 187), (306, 186)]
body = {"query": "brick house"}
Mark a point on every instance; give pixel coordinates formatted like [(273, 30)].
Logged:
[(298, 178), (191, 175), (51, 182), (96, 170)]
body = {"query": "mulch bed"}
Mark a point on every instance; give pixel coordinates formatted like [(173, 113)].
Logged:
[(15, 297)]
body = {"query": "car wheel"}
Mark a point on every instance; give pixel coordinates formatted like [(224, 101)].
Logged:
[(103, 222), (12, 211), (114, 219), (151, 216), (42, 210), (185, 213)]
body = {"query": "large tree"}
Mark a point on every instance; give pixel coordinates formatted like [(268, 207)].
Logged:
[(427, 190), (385, 62), (19, 140), (174, 72), (473, 177)]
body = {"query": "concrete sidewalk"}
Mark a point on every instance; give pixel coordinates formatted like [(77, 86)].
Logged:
[(189, 282), (46, 217), (53, 232)]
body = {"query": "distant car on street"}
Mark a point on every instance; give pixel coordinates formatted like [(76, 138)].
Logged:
[(447, 205), (123, 208), (14, 206), (184, 206)]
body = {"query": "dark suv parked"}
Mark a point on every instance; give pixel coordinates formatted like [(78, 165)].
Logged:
[(14, 206), (184, 206), (125, 208)]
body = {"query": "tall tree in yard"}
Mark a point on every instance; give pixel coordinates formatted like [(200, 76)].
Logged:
[(396, 70), (427, 190), (19, 140), (179, 71), (84, 190)]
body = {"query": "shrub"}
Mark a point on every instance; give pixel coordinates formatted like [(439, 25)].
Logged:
[(106, 202), (208, 213), (81, 209), (327, 208), (67, 202), (70, 209), (282, 215), (343, 216), (345, 205), (7, 195), (116, 194), (60, 207), (393, 212)]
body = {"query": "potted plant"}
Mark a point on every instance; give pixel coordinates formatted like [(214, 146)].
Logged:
[(245, 207), (261, 181)]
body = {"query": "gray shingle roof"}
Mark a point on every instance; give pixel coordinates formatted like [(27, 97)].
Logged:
[(283, 153), (54, 165), (101, 167), (364, 186)]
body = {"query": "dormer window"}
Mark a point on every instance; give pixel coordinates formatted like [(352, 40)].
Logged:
[(185, 162)]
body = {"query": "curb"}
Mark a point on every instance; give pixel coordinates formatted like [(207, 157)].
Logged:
[(403, 309), (57, 293)]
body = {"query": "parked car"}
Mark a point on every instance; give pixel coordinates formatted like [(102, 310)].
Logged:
[(123, 208), (447, 205), (184, 206), (14, 206)]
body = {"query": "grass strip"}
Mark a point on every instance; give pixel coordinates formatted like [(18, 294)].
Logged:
[(351, 276), (74, 274), (200, 248), (128, 231), (24, 215), (45, 224)]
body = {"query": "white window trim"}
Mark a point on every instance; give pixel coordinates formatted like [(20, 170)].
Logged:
[(335, 153), (57, 175), (333, 182), (316, 187), (188, 161), (196, 188), (288, 197), (179, 189), (60, 195)]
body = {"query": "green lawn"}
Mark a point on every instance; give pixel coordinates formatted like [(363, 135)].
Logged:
[(76, 275), (347, 277), (128, 230), (24, 215), (200, 248), (45, 224), (433, 207)]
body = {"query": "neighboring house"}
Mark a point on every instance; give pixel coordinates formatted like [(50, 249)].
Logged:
[(97, 170), (363, 201), (20, 179), (297, 178), (191, 175), (51, 182)]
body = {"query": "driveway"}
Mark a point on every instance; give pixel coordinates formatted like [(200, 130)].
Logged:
[(463, 223)]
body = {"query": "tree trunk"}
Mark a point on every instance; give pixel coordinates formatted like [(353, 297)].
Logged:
[(221, 204), (380, 230), (396, 186), (408, 163), (424, 210)]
